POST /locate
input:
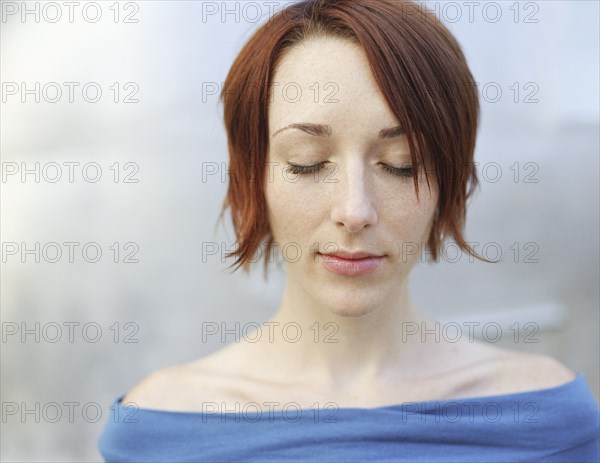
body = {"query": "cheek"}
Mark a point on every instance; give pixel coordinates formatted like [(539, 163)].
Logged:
[(427, 210), (283, 211), (409, 217), (292, 202)]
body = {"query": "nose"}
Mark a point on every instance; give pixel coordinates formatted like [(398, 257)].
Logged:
[(353, 204)]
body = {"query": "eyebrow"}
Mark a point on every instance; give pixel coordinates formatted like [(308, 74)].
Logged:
[(323, 130)]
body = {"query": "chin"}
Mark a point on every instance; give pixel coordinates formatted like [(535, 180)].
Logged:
[(347, 313), (351, 309)]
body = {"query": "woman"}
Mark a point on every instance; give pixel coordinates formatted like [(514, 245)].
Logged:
[(351, 128)]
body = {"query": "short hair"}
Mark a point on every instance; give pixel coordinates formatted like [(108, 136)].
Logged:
[(423, 75)]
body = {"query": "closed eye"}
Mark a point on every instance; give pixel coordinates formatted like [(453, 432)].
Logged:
[(400, 171), (303, 170)]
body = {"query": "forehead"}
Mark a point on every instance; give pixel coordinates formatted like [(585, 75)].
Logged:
[(327, 80)]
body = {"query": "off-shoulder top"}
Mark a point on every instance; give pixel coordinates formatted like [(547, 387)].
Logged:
[(557, 424)]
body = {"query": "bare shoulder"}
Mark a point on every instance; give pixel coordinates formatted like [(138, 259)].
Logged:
[(516, 371), (157, 389), (182, 387)]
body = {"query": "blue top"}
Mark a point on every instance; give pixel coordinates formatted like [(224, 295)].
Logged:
[(557, 424)]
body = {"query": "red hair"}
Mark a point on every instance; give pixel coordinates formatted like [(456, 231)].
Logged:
[(422, 73)]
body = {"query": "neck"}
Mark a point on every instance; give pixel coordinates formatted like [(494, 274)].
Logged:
[(339, 351)]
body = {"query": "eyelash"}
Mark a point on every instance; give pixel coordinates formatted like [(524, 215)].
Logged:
[(399, 171), (305, 170)]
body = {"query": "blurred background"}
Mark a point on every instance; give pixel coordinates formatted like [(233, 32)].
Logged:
[(113, 158)]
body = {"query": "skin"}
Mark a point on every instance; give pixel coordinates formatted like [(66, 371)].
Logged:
[(373, 363), (354, 203), (362, 206)]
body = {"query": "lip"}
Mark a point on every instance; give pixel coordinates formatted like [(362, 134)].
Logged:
[(351, 264), (351, 255)]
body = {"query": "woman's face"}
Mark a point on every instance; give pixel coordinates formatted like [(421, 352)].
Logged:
[(354, 203)]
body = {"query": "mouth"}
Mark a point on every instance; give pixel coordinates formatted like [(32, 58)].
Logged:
[(352, 264), (356, 255)]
